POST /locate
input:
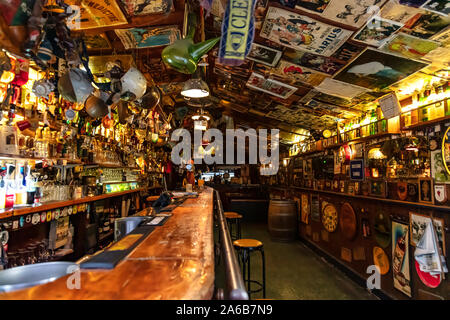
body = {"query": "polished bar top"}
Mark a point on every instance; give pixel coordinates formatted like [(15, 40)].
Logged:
[(176, 261)]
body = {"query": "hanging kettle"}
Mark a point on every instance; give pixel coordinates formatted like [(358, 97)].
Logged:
[(96, 106), (75, 85), (151, 98), (134, 85), (183, 55)]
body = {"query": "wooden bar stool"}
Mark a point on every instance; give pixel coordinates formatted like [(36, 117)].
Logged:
[(245, 247), (234, 218)]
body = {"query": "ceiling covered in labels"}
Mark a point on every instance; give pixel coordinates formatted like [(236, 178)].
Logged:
[(315, 62), (312, 62)]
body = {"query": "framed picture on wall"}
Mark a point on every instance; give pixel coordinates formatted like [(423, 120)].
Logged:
[(305, 208), (426, 190)]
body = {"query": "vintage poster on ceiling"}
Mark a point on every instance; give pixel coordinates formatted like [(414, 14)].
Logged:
[(302, 33), (426, 25), (438, 6), (409, 46), (376, 31), (377, 70), (302, 74), (340, 89), (95, 14), (138, 38), (97, 41), (316, 6), (400, 257), (397, 12), (329, 65), (278, 89), (143, 7), (351, 12)]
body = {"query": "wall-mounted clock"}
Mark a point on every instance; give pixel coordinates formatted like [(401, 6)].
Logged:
[(330, 217)]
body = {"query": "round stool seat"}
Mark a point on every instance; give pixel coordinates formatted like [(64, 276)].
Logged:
[(232, 215), (152, 198), (248, 243)]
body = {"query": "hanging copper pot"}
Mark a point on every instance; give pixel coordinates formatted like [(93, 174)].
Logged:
[(96, 107), (151, 98)]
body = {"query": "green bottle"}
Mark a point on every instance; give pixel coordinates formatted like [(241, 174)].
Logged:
[(183, 55)]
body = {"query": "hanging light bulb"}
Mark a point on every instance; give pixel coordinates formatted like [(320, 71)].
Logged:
[(195, 88)]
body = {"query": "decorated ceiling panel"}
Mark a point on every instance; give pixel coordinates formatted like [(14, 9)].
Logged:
[(311, 63)]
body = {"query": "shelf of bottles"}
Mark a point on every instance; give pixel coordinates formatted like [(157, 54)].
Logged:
[(435, 111), (428, 105)]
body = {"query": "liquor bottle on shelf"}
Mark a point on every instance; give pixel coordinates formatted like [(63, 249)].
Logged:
[(10, 187), (30, 187), (2, 188)]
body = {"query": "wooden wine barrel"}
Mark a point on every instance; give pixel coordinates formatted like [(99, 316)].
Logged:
[(282, 220)]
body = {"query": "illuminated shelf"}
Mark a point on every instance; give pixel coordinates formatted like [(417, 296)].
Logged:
[(7, 213)]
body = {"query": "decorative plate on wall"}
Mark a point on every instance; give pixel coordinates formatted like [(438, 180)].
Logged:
[(381, 260), (330, 217), (347, 221)]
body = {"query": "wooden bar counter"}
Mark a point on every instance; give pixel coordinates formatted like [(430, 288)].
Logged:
[(176, 261)]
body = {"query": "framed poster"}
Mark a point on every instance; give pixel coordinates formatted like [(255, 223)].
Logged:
[(302, 74), (438, 171), (302, 32), (427, 25), (377, 30), (417, 223), (264, 55), (400, 257), (144, 7), (273, 87), (96, 14), (350, 12), (138, 38), (97, 41), (305, 208), (426, 190), (312, 61), (376, 70), (438, 6), (397, 12), (316, 6)]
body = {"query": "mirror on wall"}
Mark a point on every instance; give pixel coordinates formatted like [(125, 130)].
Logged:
[(446, 150)]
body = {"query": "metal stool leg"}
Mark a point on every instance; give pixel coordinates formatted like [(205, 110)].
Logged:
[(249, 277), (238, 225), (263, 272)]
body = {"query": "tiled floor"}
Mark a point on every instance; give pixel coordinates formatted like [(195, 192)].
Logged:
[(295, 272)]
